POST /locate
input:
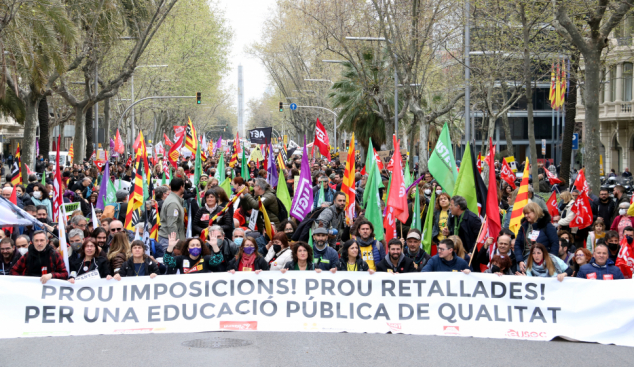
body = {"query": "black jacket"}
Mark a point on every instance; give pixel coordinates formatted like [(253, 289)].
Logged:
[(469, 228), (225, 220), (547, 237), (259, 264), (405, 265), (5, 269), (361, 265), (603, 210), (99, 263), (127, 269), (482, 257)]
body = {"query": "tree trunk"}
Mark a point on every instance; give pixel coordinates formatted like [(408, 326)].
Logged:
[(27, 150), (43, 116), (106, 123), (591, 143), (423, 153), (529, 97), (79, 140), (569, 123), (89, 132)]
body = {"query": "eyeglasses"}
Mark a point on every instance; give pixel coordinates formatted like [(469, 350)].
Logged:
[(116, 229)]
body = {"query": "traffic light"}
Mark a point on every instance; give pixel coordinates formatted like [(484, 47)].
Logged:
[(198, 97), (281, 107)]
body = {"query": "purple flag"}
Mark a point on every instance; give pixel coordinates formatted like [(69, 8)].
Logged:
[(303, 199), (103, 190), (218, 144), (113, 152), (272, 176), (37, 147)]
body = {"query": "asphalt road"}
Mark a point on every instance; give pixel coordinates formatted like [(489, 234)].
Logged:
[(304, 349)]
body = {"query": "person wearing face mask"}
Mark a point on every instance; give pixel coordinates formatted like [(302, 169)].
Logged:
[(248, 258), (503, 248), (611, 239), (288, 227), (9, 256), (26, 198), (622, 221), (278, 252), (22, 243), (626, 265), (41, 261), (139, 264), (500, 265), (75, 240), (427, 189), (195, 257), (89, 261), (41, 197), (325, 257)]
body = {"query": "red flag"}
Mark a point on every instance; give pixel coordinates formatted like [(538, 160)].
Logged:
[(581, 206), (93, 155), (390, 164), (479, 162), (174, 152), (178, 132), (129, 162), (118, 144), (506, 173), (625, 259), (321, 140), (492, 209), (552, 178), (484, 235), (58, 190), (168, 141), (552, 205), (396, 207), (237, 143)]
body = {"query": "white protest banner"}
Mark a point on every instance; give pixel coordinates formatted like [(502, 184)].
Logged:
[(479, 305)]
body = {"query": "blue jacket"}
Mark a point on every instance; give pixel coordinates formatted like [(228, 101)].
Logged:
[(325, 259), (329, 195), (547, 237), (438, 264), (600, 271)]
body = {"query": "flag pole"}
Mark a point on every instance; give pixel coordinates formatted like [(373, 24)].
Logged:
[(476, 244)]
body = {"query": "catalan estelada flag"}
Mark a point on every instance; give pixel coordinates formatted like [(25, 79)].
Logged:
[(136, 195), (191, 140), (16, 172)]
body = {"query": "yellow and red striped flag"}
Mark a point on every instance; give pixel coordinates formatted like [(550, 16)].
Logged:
[(280, 161), (234, 153), (191, 140), (270, 231), (347, 185), (551, 95), (557, 88), (562, 80), (136, 196), (520, 201), (71, 152)]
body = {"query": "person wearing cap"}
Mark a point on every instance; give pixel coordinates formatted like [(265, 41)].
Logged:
[(324, 256), (414, 250), (139, 264), (445, 260), (396, 262)]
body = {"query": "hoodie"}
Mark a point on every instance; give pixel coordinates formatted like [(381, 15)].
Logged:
[(437, 264), (404, 265)]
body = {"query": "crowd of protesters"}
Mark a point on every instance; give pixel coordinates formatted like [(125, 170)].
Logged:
[(227, 241)]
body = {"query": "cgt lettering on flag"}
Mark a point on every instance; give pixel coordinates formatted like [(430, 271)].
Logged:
[(302, 203)]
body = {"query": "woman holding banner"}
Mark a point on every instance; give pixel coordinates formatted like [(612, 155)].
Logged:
[(535, 228), (350, 259), (89, 262), (278, 252), (542, 264), (139, 264), (302, 258), (195, 257), (248, 258), (119, 251)]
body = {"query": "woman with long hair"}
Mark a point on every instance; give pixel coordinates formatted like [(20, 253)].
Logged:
[(350, 259), (195, 256), (302, 258), (458, 248), (279, 252), (582, 257), (441, 216), (119, 251), (40, 196), (535, 228), (542, 264), (88, 261), (597, 233), (248, 258)]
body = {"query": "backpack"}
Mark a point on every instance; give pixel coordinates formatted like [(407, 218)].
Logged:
[(282, 213), (111, 211), (303, 229)]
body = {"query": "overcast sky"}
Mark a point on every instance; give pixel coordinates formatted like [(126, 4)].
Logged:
[(246, 18)]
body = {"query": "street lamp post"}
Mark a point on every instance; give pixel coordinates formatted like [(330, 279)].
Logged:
[(331, 83)]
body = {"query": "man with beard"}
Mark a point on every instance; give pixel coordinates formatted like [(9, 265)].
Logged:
[(41, 260), (414, 250), (9, 256), (101, 236), (333, 217), (604, 207), (324, 256), (370, 250), (396, 262)]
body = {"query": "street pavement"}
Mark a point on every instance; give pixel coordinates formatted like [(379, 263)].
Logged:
[(303, 349)]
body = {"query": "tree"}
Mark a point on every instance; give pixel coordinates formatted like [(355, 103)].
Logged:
[(588, 31)]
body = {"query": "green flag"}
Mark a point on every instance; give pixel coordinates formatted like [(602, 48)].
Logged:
[(416, 215), (226, 185), (283, 194), (442, 164), (163, 181), (373, 210), (407, 176), (43, 179), (245, 167), (198, 170), (322, 195), (111, 193), (220, 170), (429, 225), (465, 184), (310, 237)]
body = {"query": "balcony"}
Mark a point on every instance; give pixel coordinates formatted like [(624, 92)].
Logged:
[(610, 111)]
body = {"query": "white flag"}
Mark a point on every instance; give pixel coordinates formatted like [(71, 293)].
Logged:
[(62, 239)]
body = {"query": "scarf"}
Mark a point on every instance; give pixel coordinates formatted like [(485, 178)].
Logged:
[(539, 270), (247, 261), (211, 210), (38, 259)]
